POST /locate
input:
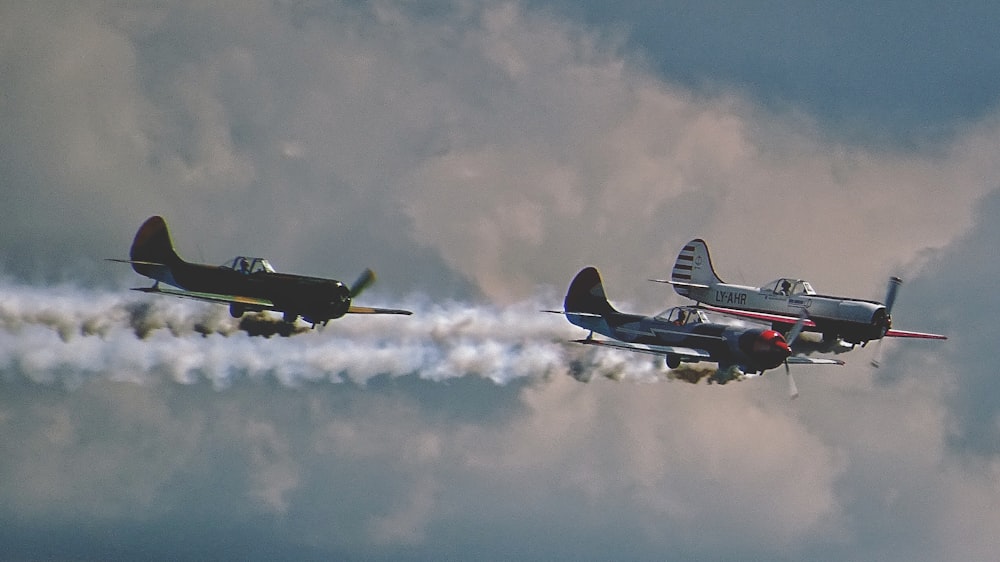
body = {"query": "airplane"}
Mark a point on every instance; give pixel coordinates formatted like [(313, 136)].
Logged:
[(784, 301), (681, 335), (245, 284)]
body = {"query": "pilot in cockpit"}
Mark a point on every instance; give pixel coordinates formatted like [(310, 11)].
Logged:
[(244, 266), (681, 318), (786, 287)]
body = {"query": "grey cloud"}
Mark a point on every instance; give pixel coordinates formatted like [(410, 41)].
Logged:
[(246, 147), (354, 471), (961, 278)]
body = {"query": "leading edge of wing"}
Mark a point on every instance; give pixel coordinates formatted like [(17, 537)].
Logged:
[(262, 304), (370, 310), (651, 349), (909, 334), (767, 316)]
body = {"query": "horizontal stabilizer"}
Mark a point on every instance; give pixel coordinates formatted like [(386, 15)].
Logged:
[(370, 310), (136, 262), (581, 314), (681, 283)]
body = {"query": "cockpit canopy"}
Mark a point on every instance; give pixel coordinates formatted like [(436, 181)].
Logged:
[(248, 265), (682, 316), (789, 287)]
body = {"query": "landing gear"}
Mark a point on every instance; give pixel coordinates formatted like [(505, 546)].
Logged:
[(673, 361), (236, 310), (314, 321), (290, 317)]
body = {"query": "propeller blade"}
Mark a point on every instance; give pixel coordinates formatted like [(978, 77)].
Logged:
[(793, 334), (363, 282), (793, 391), (890, 296), (890, 299)]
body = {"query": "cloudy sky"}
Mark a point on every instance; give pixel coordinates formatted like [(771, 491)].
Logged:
[(477, 155)]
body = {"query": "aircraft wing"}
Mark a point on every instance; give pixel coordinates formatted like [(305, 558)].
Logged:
[(251, 303), (765, 316), (908, 334), (770, 317), (803, 360), (651, 349), (369, 310)]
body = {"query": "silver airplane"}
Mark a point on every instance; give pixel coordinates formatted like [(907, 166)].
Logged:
[(785, 301)]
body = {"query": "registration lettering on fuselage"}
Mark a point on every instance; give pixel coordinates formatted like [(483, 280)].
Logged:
[(730, 297)]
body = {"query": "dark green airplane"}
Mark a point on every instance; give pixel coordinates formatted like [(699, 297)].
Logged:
[(244, 283)]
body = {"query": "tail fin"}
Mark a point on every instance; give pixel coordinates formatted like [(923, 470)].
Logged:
[(693, 268), (152, 245), (586, 294)]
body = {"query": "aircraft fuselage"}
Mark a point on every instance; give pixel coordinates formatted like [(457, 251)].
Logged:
[(246, 284), (853, 320), (752, 349), (315, 299)]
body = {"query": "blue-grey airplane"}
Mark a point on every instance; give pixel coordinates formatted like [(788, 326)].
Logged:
[(681, 335)]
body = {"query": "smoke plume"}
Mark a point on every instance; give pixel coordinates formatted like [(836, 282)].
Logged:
[(63, 335)]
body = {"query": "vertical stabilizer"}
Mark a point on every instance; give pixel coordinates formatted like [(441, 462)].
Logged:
[(152, 244), (693, 268), (586, 294)]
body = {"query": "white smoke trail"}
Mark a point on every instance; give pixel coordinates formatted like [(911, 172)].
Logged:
[(65, 335)]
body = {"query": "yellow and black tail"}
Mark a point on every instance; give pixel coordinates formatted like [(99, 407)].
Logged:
[(152, 253), (152, 244)]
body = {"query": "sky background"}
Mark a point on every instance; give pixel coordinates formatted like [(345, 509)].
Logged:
[(477, 155)]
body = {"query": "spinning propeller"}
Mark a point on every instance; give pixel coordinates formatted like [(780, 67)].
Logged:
[(890, 299), (793, 334), (365, 280)]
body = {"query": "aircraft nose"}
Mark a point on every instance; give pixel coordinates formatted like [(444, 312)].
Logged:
[(339, 299), (772, 349), (343, 295), (782, 345), (778, 345), (882, 321)]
